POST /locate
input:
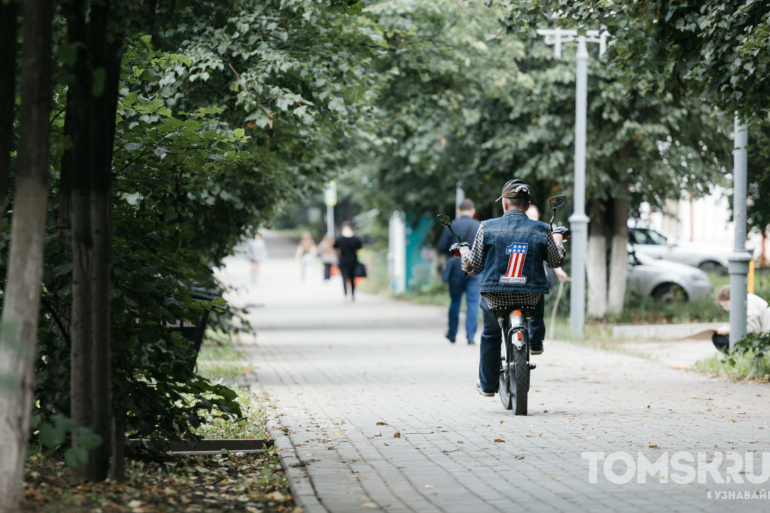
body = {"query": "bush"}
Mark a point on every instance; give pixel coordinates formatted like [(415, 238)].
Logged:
[(749, 358)]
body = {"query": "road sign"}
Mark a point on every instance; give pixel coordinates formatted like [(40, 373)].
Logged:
[(330, 194)]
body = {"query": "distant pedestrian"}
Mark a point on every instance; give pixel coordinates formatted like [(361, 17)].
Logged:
[(306, 254), (348, 245), (257, 253), (757, 318), (328, 255), (554, 275), (465, 226)]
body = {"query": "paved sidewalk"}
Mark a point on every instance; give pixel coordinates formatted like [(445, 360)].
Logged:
[(347, 378)]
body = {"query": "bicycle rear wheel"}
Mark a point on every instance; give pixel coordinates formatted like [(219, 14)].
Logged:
[(519, 378)]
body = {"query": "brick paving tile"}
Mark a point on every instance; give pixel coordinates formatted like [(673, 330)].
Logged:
[(336, 370)]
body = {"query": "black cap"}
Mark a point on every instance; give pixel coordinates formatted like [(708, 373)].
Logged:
[(515, 189)]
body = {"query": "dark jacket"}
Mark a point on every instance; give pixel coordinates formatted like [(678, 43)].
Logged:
[(515, 248), (466, 227)]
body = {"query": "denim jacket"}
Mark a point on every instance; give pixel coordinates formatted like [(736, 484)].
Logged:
[(514, 250)]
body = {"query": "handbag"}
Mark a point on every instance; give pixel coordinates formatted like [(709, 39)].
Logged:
[(360, 271)]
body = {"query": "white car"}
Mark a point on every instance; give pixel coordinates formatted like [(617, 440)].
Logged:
[(656, 244), (665, 280)]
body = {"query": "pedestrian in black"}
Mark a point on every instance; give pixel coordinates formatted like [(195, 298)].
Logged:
[(348, 245)]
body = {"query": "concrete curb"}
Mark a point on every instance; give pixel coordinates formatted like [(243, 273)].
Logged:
[(663, 331), (300, 482)]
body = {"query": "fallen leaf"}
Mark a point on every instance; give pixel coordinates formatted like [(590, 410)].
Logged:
[(184, 499), (396, 435), (428, 486), (337, 432), (378, 434), (382, 424), (732, 420), (556, 478), (502, 422), (519, 456), (364, 499), (135, 504), (499, 440), (368, 505), (653, 447), (276, 496)]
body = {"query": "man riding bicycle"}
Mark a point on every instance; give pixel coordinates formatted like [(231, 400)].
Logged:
[(509, 253)]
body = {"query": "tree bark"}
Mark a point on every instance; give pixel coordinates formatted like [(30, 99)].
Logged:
[(25, 262), (79, 107), (619, 255), (8, 46), (106, 57), (596, 267)]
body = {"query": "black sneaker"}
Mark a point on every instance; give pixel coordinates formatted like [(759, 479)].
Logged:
[(481, 391), (471, 342), (451, 339), (536, 347)]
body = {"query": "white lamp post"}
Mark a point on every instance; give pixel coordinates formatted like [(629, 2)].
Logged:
[(578, 220), (330, 198)]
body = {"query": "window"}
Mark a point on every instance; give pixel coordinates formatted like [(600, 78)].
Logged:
[(645, 236)]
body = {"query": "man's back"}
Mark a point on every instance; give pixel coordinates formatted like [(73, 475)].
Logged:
[(466, 227)]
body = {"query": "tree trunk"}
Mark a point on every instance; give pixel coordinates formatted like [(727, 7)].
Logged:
[(106, 57), (25, 262), (618, 271), (596, 267), (8, 19), (117, 469), (79, 107)]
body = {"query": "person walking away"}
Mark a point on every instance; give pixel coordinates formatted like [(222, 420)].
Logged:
[(554, 275), (466, 227), (306, 254), (757, 318), (328, 255), (508, 253), (257, 253), (348, 245)]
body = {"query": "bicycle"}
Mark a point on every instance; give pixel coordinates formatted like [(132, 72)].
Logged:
[(514, 324)]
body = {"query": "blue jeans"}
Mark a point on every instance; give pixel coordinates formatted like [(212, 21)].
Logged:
[(469, 285), (491, 339)]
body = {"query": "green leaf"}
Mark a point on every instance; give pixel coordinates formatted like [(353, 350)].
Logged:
[(239, 132)]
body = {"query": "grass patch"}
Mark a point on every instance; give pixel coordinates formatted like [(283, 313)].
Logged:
[(253, 424), (213, 369), (749, 358), (162, 483), (219, 353), (739, 365)]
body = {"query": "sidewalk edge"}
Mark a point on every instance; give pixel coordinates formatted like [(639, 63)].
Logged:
[(300, 482)]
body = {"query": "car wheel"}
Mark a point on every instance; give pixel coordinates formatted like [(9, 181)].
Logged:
[(712, 267), (669, 293)]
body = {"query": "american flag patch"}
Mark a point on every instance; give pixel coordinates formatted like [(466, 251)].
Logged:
[(517, 252)]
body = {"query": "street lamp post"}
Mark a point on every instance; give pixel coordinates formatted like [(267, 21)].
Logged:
[(739, 260), (578, 220)]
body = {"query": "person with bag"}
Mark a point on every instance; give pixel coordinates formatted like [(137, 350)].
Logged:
[(348, 245), (466, 227)]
